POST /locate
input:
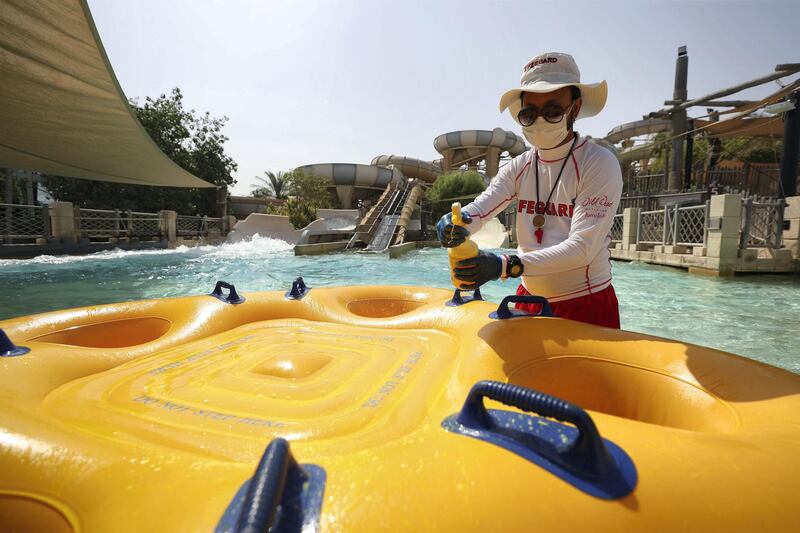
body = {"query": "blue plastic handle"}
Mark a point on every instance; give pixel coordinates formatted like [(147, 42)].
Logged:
[(266, 490), (281, 496), (298, 291), (233, 296), (459, 299), (9, 349), (588, 453), (503, 312)]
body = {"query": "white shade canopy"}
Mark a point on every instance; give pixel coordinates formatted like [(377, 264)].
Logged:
[(62, 110)]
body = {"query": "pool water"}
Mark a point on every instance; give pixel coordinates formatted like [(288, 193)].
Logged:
[(755, 316)]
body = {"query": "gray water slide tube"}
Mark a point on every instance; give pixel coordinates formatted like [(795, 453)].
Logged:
[(630, 130), (354, 174), (635, 129), (479, 140), (410, 167)]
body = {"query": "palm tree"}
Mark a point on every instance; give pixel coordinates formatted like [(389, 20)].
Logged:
[(274, 186)]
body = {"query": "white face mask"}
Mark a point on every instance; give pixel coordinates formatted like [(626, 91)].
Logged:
[(544, 135)]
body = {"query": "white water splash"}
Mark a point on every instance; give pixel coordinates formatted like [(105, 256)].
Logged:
[(255, 247)]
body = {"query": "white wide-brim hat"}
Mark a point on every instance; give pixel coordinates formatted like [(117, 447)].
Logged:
[(552, 71)]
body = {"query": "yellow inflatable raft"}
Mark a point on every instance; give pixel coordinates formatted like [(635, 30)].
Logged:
[(382, 408)]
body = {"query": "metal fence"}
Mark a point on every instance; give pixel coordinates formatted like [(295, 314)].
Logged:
[(688, 225), (645, 202), (98, 223), (762, 223), (143, 224), (188, 226), (761, 227), (24, 222), (615, 233), (643, 184), (653, 202), (751, 178), (674, 225), (105, 223), (651, 227), (748, 178), (211, 225)]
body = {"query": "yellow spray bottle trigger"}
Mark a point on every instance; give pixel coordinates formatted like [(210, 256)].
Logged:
[(456, 214)]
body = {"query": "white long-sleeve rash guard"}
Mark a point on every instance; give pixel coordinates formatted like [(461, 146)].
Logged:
[(572, 259)]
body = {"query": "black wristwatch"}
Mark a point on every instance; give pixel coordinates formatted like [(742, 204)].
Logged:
[(514, 267)]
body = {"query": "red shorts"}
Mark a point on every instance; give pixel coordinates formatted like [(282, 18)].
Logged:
[(600, 308)]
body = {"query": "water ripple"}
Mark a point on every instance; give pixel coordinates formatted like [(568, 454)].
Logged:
[(750, 315)]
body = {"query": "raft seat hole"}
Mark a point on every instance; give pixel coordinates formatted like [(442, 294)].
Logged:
[(29, 514), (628, 392), (111, 334), (383, 307)]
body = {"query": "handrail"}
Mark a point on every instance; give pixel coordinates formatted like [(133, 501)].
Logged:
[(406, 212), (23, 222), (384, 211), (22, 205), (375, 214), (389, 188), (397, 201)]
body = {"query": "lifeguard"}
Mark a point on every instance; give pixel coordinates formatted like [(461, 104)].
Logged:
[(566, 190)]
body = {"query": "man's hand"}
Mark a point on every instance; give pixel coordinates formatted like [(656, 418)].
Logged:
[(477, 270), (451, 235)]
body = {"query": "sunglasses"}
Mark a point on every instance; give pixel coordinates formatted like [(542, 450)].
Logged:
[(552, 113)]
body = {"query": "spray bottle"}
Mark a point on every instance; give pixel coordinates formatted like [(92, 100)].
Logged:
[(465, 250)]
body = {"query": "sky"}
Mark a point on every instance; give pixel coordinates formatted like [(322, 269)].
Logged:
[(327, 81)]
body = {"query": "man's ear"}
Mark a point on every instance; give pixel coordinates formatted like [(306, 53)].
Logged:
[(573, 114), (576, 107)]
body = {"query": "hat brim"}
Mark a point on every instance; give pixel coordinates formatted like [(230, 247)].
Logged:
[(593, 96)]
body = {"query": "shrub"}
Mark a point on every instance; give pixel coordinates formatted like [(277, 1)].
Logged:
[(273, 209), (301, 212), (453, 185), (311, 189), (307, 194)]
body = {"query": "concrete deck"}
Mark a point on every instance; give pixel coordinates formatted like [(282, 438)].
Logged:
[(319, 248), (399, 250), (749, 261)]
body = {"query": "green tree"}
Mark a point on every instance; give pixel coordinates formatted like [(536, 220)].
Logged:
[(748, 149), (19, 187), (659, 154), (311, 189), (274, 186), (752, 149), (307, 193), (193, 141), (453, 185)]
